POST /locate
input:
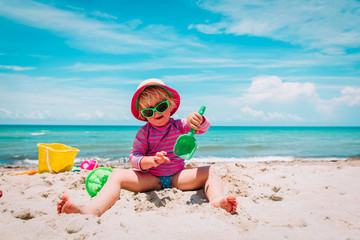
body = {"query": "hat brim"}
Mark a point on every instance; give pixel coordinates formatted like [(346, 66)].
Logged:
[(134, 109)]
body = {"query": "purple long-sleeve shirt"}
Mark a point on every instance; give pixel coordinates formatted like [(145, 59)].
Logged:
[(150, 139)]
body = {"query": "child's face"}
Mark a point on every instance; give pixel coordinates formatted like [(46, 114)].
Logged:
[(159, 119)]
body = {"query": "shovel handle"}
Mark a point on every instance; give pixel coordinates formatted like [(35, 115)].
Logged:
[(201, 112)]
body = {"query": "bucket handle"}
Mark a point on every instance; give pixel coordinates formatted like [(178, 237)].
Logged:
[(47, 159)]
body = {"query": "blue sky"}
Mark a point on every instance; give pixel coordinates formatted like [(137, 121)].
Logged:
[(250, 62)]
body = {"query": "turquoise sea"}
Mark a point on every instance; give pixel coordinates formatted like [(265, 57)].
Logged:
[(113, 143)]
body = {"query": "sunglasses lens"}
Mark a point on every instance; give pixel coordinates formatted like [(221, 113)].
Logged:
[(147, 113), (162, 107)]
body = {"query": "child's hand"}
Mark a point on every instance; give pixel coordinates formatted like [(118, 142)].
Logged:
[(159, 158), (194, 120)]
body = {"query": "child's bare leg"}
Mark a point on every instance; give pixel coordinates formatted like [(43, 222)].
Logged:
[(120, 179), (214, 190), (190, 179)]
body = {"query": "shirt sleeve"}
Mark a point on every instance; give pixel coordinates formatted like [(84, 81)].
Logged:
[(185, 128), (139, 148)]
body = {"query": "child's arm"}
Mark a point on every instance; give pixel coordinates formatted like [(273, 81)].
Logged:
[(139, 148), (153, 161), (194, 120), (200, 123)]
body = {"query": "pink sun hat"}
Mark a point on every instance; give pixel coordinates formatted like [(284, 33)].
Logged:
[(149, 83)]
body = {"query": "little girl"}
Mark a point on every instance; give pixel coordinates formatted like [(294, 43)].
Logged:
[(157, 167)]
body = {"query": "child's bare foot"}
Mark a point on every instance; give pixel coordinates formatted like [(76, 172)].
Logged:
[(66, 206), (229, 204)]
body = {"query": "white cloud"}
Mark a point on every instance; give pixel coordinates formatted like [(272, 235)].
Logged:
[(93, 67), (197, 60), (83, 116), (25, 97), (350, 96), (273, 89), (5, 113), (16, 68), (61, 115), (270, 92), (207, 29), (37, 115), (328, 25), (247, 113), (90, 34), (103, 15), (325, 108), (98, 114), (92, 115), (284, 116)]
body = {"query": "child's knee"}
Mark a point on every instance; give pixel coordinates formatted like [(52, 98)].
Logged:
[(116, 176), (212, 172), (212, 175)]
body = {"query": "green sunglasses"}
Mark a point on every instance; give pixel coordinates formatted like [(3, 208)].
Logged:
[(160, 108)]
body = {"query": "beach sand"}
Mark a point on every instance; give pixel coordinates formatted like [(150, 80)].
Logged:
[(277, 200)]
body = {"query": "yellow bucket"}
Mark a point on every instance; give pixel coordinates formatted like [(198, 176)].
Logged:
[(56, 157)]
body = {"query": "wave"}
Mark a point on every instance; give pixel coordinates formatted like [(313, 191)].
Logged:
[(266, 159), (37, 133), (20, 163), (102, 160), (256, 147), (214, 148), (209, 159)]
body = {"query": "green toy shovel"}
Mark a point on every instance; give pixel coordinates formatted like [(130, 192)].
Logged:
[(186, 144)]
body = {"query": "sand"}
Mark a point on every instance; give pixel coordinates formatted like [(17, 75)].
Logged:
[(277, 200)]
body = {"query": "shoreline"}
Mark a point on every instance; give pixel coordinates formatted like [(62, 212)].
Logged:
[(202, 160), (276, 200)]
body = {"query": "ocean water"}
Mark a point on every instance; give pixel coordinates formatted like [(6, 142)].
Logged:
[(112, 144)]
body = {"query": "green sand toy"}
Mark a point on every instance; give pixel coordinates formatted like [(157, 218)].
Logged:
[(97, 179), (186, 144)]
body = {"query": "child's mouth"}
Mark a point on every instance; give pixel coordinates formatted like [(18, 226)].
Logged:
[(158, 118)]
